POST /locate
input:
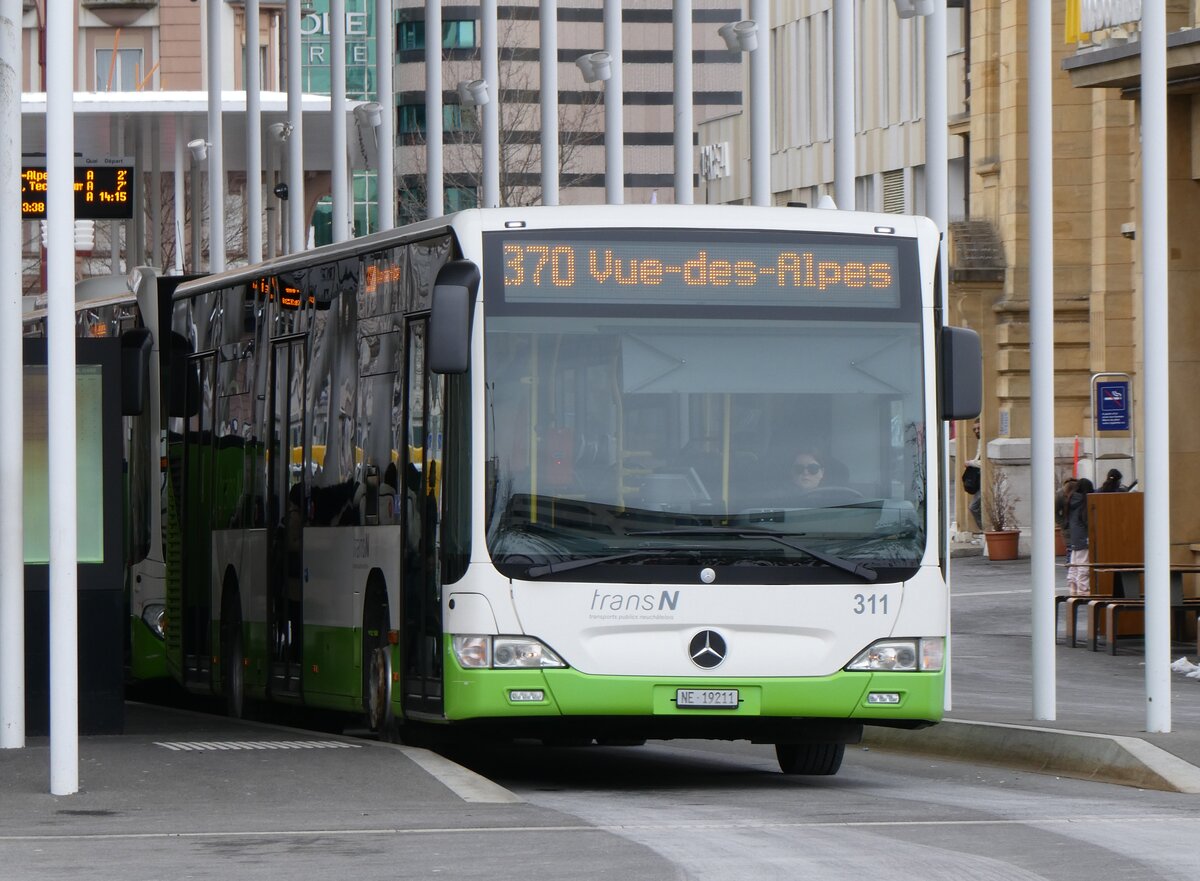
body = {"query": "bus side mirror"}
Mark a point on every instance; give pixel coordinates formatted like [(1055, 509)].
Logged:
[(962, 373), (454, 294), (135, 370)]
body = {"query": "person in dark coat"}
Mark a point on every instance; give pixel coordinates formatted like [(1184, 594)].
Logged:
[(1078, 574), (1112, 483)]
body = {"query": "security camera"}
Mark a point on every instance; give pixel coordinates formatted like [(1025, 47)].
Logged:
[(281, 191), (199, 148)]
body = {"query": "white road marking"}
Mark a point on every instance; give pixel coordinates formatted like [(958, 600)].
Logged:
[(616, 829)]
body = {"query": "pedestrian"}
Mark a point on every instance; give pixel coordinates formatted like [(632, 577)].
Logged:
[(1112, 483), (973, 484), (1078, 573), (1060, 503)]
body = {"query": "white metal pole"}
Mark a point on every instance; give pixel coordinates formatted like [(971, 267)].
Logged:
[(614, 108), (386, 133), (178, 173), (155, 151), (12, 552), (936, 185), (548, 66), (253, 84), (1156, 378), (339, 160), (843, 104), (434, 192), (684, 123), (1041, 350), (489, 49), (216, 142), (760, 106), (296, 225), (272, 212), (60, 332)]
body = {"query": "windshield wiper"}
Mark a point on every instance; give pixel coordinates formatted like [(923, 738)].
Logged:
[(567, 565), (862, 570)]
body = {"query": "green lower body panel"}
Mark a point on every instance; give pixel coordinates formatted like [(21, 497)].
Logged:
[(333, 666), (912, 699), (147, 652)]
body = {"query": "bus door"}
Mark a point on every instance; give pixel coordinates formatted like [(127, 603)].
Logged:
[(421, 606), (288, 491), (196, 502)]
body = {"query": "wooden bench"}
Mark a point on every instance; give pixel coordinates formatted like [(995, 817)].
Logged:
[(1128, 597), (1112, 589)]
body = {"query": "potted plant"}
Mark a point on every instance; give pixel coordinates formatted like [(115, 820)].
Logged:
[(999, 507)]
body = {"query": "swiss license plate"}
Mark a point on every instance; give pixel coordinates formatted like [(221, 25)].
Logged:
[(707, 698)]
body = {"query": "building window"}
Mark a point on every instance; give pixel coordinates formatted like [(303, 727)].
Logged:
[(410, 35), (454, 119), (411, 118), (460, 198), (895, 200), (120, 74)]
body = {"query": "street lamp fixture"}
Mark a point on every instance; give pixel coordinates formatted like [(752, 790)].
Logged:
[(740, 36), (473, 93), (913, 8), (595, 66), (368, 114), (199, 148)]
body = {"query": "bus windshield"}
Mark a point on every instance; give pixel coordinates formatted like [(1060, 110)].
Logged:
[(659, 431)]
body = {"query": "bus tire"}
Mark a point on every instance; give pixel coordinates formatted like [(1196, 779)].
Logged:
[(377, 663), (810, 758), (233, 666)]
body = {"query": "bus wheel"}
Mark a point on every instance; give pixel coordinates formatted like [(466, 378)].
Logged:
[(810, 758), (379, 690), (233, 670), (377, 666)]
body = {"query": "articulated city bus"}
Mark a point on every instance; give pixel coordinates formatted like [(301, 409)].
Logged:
[(610, 472)]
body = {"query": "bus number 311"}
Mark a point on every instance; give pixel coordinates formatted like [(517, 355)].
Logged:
[(875, 604)]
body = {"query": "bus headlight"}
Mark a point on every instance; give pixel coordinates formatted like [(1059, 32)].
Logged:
[(508, 651), (155, 617), (902, 656), (503, 652)]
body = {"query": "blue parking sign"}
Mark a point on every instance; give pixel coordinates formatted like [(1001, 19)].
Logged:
[(1112, 406)]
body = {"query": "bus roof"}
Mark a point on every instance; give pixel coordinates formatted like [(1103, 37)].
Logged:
[(715, 217)]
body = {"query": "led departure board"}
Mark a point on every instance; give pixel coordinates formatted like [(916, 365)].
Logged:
[(102, 192), (754, 272)]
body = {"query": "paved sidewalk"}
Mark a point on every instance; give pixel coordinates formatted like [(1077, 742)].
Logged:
[(1100, 727)]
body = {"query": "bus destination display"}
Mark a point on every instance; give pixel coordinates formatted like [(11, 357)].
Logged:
[(763, 273), (102, 192)]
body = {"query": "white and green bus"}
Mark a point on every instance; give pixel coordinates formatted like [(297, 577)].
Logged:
[(548, 472)]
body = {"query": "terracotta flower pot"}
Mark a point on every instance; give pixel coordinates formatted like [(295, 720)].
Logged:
[(1002, 545)]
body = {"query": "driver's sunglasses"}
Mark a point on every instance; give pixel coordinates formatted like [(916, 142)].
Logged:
[(807, 468)]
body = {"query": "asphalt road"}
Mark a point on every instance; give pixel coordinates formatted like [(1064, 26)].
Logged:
[(721, 811)]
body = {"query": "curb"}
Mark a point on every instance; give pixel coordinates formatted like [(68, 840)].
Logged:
[(1126, 761)]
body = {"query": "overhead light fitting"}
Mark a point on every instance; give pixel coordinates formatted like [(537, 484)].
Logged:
[(473, 93), (740, 36), (369, 113), (595, 66), (199, 148)]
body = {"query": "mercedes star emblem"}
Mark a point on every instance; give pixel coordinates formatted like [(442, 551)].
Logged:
[(707, 649)]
